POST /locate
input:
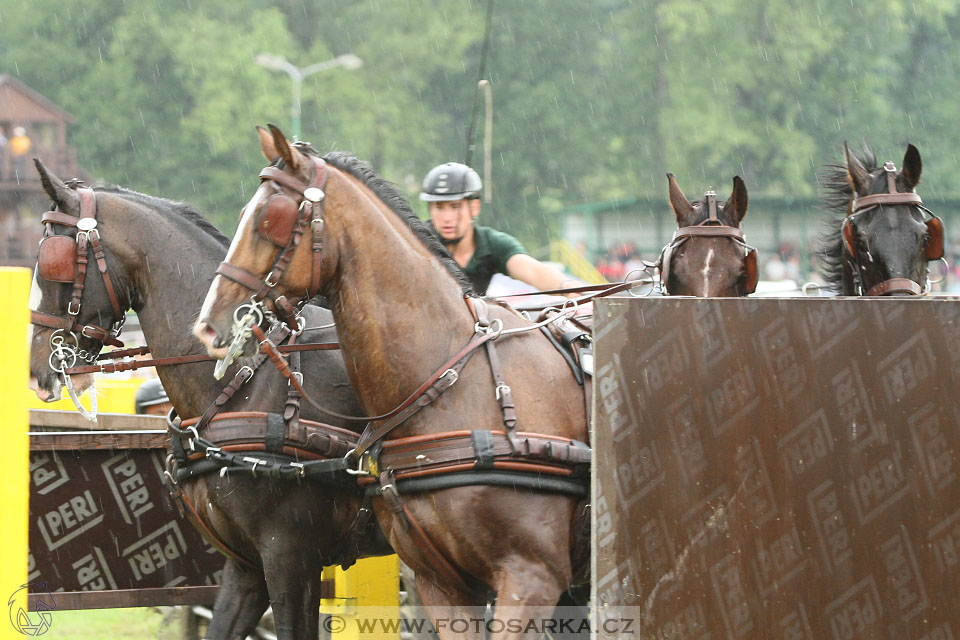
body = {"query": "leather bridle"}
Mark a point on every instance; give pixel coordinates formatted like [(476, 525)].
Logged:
[(892, 197), (309, 213), (712, 227), (87, 238)]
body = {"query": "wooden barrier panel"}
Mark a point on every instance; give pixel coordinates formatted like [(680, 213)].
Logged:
[(778, 468)]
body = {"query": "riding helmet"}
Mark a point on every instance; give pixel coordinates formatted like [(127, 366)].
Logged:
[(150, 393), (451, 181)]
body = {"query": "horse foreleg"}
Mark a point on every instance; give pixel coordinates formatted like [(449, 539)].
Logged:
[(454, 613), (241, 601), (527, 593), (293, 580)]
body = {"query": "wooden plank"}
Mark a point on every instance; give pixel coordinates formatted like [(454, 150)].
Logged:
[(77, 440), (42, 419), (119, 598)]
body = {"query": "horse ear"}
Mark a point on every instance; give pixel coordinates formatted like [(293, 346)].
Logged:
[(682, 208), (67, 199), (912, 165), (291, 157), (736, 207), (266, 145), (857, 174)]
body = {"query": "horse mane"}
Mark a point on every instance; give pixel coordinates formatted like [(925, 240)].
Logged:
[(182, 209), (389, 195), (836, 200)]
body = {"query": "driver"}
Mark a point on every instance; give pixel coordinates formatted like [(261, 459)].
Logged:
[(452, 191)]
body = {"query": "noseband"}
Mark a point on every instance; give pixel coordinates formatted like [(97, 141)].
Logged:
[(892, 197), (272, 225), (64, 259), (709, 228)]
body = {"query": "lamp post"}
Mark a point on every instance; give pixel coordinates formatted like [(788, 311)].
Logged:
[(297, 74)]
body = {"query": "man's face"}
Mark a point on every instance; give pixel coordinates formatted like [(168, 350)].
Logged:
[(160, 409), (454, 219)]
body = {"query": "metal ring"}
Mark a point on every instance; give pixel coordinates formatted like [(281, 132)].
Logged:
[(943, 276), (806, 287)]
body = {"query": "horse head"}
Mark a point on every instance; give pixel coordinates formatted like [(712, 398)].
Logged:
[(708, 256), (882, 244), (268, 269), (76, 306), (887, 235)]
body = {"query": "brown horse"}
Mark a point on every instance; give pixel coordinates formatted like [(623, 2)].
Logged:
[(883, 237), (161, 257), (401, 312), (708, 256)]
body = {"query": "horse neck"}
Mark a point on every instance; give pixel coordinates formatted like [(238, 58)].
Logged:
[(171, 262), (399, 312)]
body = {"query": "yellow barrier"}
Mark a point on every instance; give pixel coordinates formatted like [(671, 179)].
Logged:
[(563, 252), (372, 587), (15, 470), (113, 396)]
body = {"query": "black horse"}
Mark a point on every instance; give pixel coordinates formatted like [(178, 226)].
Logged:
[(885, 237), (161, 257)]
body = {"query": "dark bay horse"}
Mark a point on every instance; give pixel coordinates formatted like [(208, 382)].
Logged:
[(401, 312), (161, 257), (708, 256), (885, 237)]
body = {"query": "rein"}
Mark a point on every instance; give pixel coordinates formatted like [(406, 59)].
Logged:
[(892, 197)]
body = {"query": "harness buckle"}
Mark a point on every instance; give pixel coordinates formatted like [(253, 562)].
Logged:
[(73, 310), (267, 280), (298, 375), (301, 470), (502, 389), (453, 374), (359, 471)]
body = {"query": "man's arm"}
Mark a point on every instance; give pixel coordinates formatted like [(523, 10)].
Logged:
[(537, 274)]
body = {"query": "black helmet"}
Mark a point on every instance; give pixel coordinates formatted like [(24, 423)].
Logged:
[(451, 181), (150, 393)]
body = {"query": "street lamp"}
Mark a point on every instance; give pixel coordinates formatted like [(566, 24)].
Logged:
[(297, 74)]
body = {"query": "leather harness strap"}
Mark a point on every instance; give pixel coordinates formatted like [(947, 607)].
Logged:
[(410, 526), (503, 393)]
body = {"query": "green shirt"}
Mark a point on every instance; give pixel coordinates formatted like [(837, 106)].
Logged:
[(493, 249)]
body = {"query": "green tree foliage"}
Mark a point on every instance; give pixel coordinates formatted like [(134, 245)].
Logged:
[(593, 100)]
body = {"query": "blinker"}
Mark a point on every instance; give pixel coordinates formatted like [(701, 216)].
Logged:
[(57, 259)]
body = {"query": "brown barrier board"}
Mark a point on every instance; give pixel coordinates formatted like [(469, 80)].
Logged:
[(778, 468), (102, 520)]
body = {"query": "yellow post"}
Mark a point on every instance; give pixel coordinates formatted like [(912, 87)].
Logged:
[(367, 600), (15, 471)]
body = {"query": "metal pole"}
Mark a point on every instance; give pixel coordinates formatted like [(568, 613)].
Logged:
[(295, 108)]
